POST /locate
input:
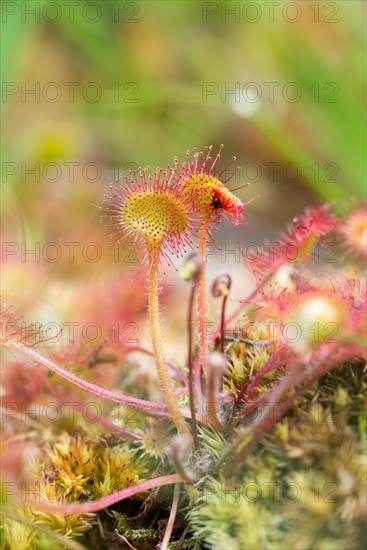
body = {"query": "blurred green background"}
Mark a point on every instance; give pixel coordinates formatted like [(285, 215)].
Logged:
[(93, 89)]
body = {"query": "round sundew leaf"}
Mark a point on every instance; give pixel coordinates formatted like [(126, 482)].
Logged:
[(155, 216), (151, 210)]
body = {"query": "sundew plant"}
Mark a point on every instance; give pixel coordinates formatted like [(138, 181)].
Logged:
[(253, 439)]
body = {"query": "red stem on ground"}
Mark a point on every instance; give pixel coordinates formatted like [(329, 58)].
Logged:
[(150, 407), (79, 508)]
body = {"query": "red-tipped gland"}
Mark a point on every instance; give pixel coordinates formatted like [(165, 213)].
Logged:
[(15, 333)]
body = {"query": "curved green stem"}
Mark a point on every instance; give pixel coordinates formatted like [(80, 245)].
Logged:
[(163, 378)]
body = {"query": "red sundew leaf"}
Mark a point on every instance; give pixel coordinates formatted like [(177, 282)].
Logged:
[(297, 244), (202, 183)]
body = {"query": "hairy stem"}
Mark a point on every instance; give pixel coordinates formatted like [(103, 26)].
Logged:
[(223, 324), (79, 508), (162, 372), (90, 387), (191, 373), (202, 301)]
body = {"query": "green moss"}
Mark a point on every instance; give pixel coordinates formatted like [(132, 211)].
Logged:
[(304, 485)]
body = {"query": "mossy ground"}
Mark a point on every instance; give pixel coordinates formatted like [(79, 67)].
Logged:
[(303, 487)]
